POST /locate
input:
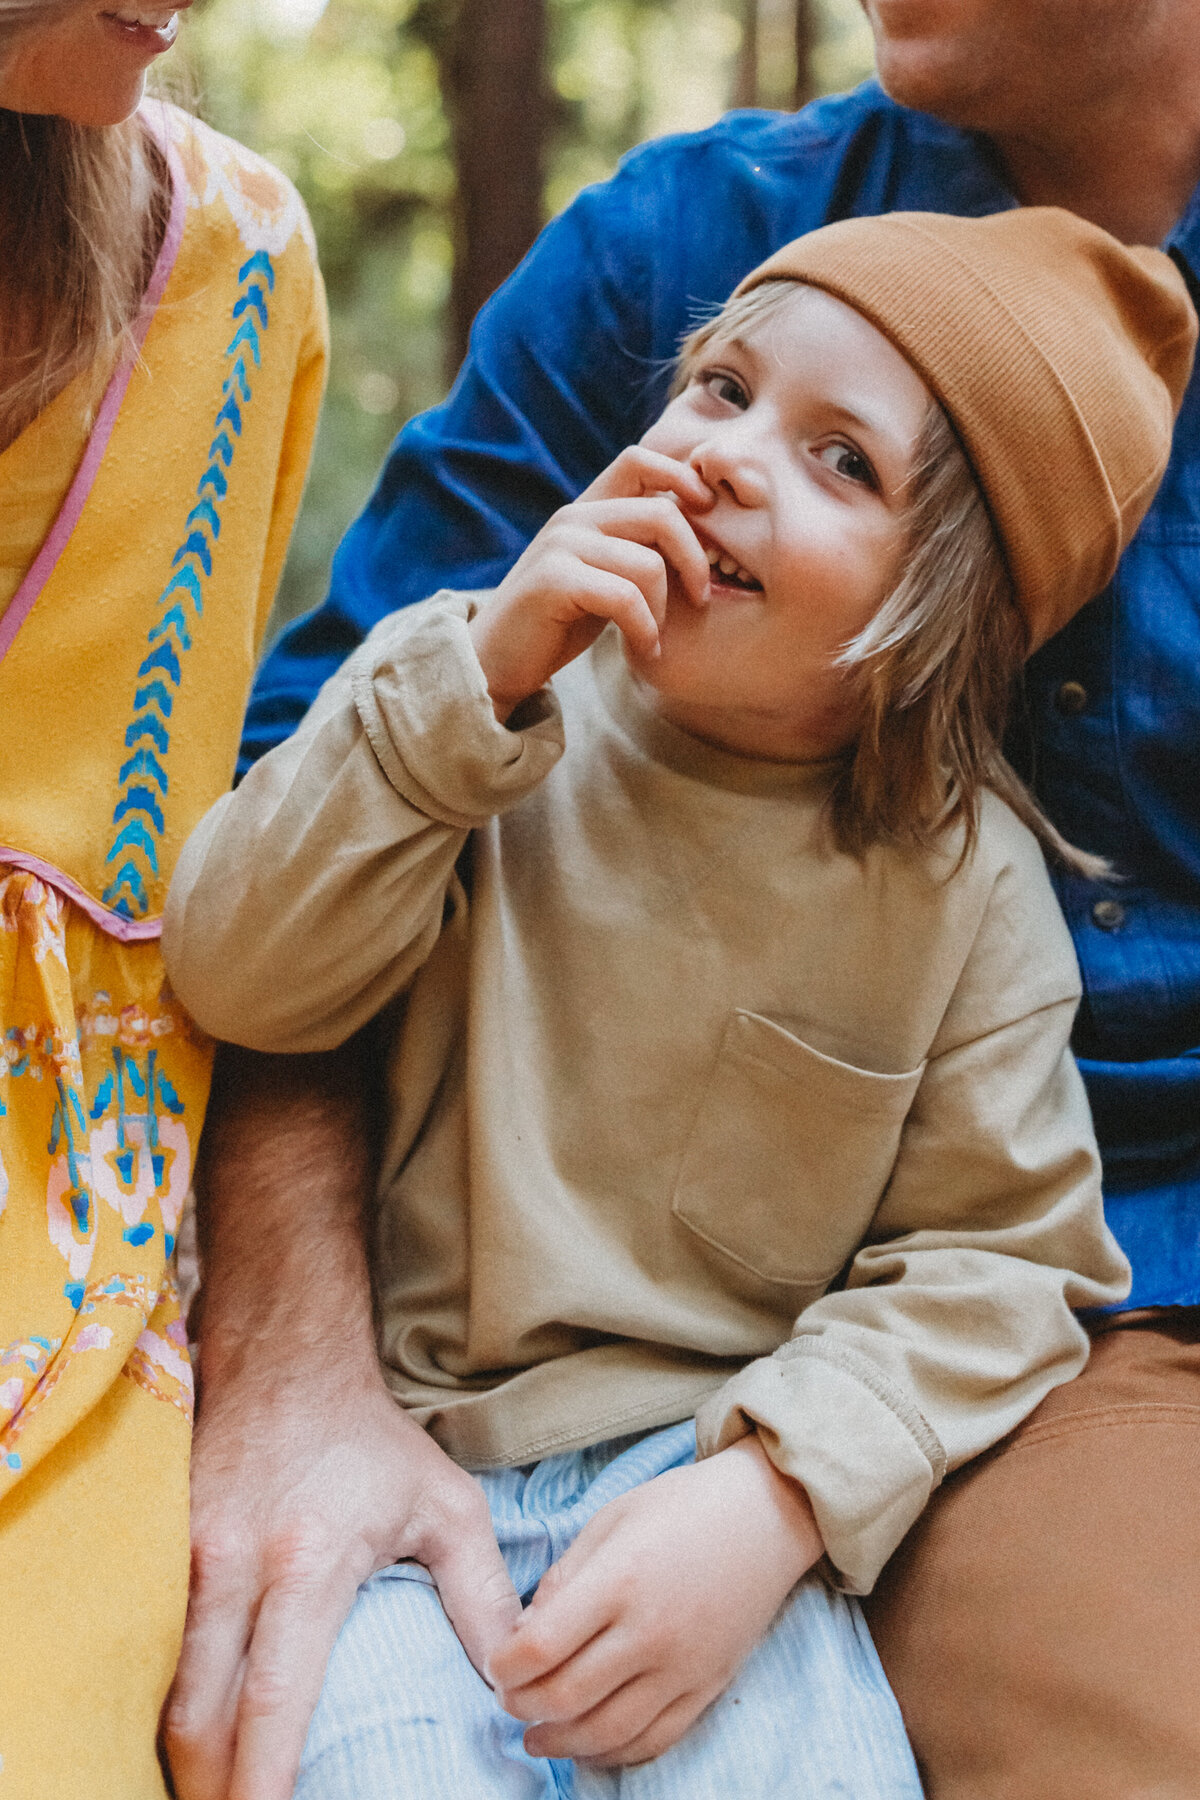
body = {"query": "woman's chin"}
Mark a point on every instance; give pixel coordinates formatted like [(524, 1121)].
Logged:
[(94, 112)]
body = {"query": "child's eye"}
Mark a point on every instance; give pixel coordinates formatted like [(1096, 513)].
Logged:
[(844, 460), (724, 386)]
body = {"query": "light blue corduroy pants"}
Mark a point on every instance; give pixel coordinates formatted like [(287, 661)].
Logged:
[(404, 1716)]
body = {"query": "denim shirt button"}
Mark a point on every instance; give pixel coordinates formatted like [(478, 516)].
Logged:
[(1109, 915), (1071, 698)]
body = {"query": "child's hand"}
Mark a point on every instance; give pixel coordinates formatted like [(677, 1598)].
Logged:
[(649, 1614), (608, 555)]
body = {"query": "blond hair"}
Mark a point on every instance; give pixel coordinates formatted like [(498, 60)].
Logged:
[(82, 213), (937, 665)]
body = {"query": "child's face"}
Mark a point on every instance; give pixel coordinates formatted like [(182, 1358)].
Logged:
[(805, 430)]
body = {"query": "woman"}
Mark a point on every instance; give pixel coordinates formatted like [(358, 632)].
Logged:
[(162, 349)]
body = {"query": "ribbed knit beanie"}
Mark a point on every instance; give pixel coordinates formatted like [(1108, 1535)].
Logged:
[(1059, 355)]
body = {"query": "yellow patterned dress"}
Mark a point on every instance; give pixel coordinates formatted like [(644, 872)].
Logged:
[(143, 523)]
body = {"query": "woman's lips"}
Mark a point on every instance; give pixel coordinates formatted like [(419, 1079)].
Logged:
[(150, 30)]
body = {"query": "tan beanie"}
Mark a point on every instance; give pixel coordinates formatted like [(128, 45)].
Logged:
[(1060, 356)]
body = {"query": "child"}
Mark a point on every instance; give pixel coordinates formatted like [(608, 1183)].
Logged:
[(730, 1003)]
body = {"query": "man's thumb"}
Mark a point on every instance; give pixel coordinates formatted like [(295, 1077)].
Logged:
[(480, 1600)]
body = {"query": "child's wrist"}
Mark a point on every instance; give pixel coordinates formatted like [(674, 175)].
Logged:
[(782, 1504), (483, 636)]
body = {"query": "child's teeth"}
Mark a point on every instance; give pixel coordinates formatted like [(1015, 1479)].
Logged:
[(717, 559), (155, 21)]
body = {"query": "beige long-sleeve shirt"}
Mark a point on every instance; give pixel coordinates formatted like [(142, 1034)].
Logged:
[(690, 1111)]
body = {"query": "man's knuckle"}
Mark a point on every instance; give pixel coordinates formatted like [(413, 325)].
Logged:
[(495, 1590), (299, 1556), (185, 1727), (441, 1518), (461, 1508), (220, 1554), (265, 1691)]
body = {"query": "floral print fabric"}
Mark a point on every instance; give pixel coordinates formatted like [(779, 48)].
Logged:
[(102, 1084)]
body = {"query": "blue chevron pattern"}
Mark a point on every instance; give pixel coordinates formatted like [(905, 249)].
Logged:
[(138, 818)]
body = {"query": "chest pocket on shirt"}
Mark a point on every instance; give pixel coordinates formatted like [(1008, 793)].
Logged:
[(790, 1153)]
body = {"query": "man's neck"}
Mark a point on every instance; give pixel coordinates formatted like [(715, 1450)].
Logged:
[(1133, 175)]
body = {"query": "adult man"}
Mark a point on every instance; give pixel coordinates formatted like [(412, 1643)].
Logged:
[(1039, 1629)]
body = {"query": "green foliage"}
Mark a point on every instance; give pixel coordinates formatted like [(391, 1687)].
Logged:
[(346, 101)]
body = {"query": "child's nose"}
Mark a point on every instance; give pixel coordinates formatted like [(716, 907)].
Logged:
[(730, 462)]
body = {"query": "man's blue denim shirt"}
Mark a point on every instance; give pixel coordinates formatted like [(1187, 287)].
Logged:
[(569, 362)]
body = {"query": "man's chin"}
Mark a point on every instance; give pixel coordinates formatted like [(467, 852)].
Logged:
[(916, 75), (929, 56)]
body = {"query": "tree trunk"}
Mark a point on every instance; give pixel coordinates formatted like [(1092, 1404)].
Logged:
[(806, 37), (495, 93), (745, 82)]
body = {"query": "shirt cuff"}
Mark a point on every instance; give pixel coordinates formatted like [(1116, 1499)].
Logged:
[(829, 1418), (424, 704)]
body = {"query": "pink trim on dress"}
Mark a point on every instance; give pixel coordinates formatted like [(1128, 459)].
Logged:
[(40, 570), (128, 931), (116, 925)]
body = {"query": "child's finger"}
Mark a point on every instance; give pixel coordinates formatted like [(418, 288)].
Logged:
[(637, 471), (579, 1683), (605, 595), (658, 1735), (633, 561), (621, 1720), (660, 525), (551, 1630)]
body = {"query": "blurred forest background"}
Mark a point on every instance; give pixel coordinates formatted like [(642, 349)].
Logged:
[(432, 138)]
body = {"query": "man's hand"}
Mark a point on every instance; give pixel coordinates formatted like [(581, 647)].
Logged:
[(306, 1476), (608, 555), (649, 1614), (300, 1492)]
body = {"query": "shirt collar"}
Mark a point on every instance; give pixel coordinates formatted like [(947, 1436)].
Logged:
[(1183, 241)]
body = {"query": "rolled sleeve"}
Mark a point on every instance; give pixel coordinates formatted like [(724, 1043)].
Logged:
[(830, 1419)]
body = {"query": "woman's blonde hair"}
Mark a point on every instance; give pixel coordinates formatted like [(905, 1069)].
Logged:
[(938, 664), (82, 213)]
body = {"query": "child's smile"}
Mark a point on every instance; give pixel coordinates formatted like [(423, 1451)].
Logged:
[(804, 430), (727, 573)]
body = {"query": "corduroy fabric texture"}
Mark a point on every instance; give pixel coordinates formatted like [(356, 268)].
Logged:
[(1059, 355), (1039, 1623)]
